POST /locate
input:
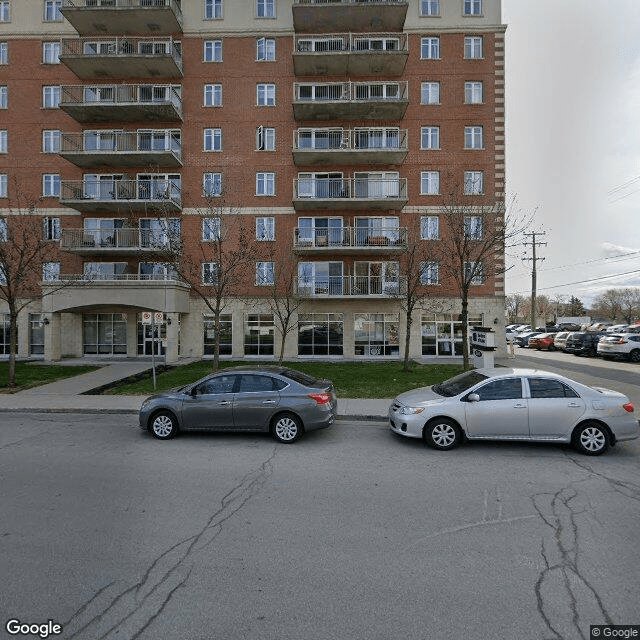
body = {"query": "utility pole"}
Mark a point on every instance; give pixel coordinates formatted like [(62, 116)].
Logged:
[(534, 243)]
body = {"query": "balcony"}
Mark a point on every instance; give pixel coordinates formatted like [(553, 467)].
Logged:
[(353, 146), (122, 17), (358, 193), (350, 286), (349, 54), (350, 240), (99, 58), (117, 196), (350, 100), (122, 102), (345, 15), (113, 242), (149, 147)]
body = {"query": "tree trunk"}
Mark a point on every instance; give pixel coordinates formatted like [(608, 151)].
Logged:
[(13, 346), (283, 335), (216, 346), (407, 340), (465, 330)]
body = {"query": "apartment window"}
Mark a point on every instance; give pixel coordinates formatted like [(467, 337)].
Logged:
[(472, 7), (5, 11), (429, 227), (265, 229), (4, 97), (50, 97), (210, 229), (266, 95), (210, 272), (51, 141), (430, 7), (212, 184), (473, 138), (4, 53), (430, 273), (50, 271), (473, 47), (473, 92), (212, 95), (3, 185), (430, 138), (265, 184), (264, 274), (212, 9), (430, 48), (474, 272), (3, 140), (473, 227), (4, 233), (429, 183), (430, 93), (50, 185), (213, 50), (265, 139), (266, 49), (51, 228), (266, 8), (213, 139), (52, 10), (473, 183), (51, 53)]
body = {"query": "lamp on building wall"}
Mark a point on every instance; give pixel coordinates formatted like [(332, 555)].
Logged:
[(45, 321), (168, 321), (495, 321)]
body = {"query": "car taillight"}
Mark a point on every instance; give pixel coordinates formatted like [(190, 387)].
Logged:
[(320, 398), (628, 407), (621, 341)]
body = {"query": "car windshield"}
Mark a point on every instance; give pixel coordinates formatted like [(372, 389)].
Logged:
[(458, 384), (300, 378)]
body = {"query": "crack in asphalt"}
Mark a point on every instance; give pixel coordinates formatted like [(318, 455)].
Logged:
[(126, 612)]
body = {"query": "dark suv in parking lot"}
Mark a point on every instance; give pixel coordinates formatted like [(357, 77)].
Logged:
[(583, 343)]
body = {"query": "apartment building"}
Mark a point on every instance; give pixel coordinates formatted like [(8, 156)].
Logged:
[(330, 129)]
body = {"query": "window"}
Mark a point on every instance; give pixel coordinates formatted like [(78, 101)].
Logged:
[(212, 95), (212, 184), (376, 334), (51, 141), (50, 97), (4, 233), (473, 183), (429, 228), (210, 229), (266, 49), (3, 185), (266, 95), (548, 388), (213, 139), (264, 273), (430, 7), (213, 50), (259, 332), (473, 138), (473, 47), (430, 183), (506, 389), (430, 138), (214, 386), (51, 228), (212, 9), (5, 11), (210, 271), (429, 273), (473, 92), (265, 184), (226, 335), (265, 139), (430, 93), (51, 52), (472, 7), (50, 185), (474, 272), (265, 229), (473, 227), (430, 48), (50, 271), (250, 383), (4, 53), (4, 97), (3, 140), (52, 10), (320, 334), (266, 8)]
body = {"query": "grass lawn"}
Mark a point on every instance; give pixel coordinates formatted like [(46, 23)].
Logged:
[(350, 379), (29, 374)]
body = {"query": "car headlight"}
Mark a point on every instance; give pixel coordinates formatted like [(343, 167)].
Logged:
[(410, 411)]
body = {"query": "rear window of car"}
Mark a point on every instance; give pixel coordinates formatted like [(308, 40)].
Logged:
[(300, 378), (548, 388)]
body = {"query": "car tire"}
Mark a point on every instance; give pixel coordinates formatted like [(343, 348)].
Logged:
[(551, 347), (442, 434), (163, 425), (591, 438), (634, 356), (286, 428)]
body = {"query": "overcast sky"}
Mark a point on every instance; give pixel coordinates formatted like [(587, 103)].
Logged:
[(573, 140)]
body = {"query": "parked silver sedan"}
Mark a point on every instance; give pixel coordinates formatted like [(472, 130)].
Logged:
[(272, 399), (514, 404)]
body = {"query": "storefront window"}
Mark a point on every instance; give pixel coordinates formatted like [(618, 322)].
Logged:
[(442, 334), (104, 333), (320, 334), (259, 331), (376, 334), (36, 334), (5, 335), (210, 335)]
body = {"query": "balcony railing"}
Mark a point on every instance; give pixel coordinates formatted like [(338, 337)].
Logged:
[(151, 147), (102, 17), (122, 102), (118, 277), (113, 241), (340, 286), (122, 57), (369, 240)]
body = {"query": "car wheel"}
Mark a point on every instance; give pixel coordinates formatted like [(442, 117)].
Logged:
[(552, 347), (164, 425), (591, 438), (442, 434), (286, 428), (634, 356)]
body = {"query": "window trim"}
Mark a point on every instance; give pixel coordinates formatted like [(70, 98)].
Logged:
[(428, 193), (433, 40), (265, 181)]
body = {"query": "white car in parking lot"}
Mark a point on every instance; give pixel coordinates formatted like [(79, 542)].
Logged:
[(622, 345)]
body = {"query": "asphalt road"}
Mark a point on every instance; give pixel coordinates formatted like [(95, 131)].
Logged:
[(351, 533)]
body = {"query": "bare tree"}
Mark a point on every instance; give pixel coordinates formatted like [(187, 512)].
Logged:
[(515, 305), (618, 304)]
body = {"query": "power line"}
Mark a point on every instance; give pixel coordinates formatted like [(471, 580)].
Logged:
[(568, 284), (624, 256)]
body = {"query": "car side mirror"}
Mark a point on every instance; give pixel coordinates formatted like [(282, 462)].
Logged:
[(194, 391), (473, 397)]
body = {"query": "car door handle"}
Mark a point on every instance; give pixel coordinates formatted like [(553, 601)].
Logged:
[(224, 402), (573, 404), (268, 402), (519, 406)]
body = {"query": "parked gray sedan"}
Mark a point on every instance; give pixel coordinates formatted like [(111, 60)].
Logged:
[(272, 399), (514, 404)]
